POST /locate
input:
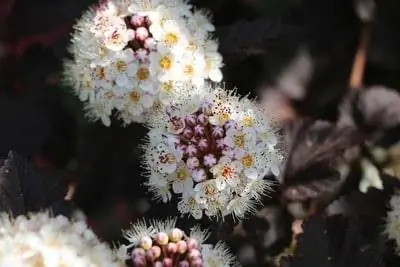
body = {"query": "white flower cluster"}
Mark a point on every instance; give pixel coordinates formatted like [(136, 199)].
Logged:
[(214, 150), (392, 229), (162, 244), (132, 56), (41, 240)]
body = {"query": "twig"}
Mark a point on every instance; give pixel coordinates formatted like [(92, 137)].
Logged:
[(357, 73)]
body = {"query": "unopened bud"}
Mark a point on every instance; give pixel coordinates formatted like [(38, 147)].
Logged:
[(137, 20), (182, 247), (172, 248), (202, 119), (142, 33), (194, 253), (184, 264), (167, 262), (162, 238), (176, 234), (146, 242), (192, 243)]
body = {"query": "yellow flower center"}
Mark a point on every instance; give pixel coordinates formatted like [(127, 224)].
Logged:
[(120, 66), (223, 117), (188, 70), (134, 97), (167, 86), (167, 159), (248, 121), (181, 175), (239, 140), (143, 74), (87, 84), (210, 190), (191, 202), (101, 73), (227, 172), (165, 62), (171, 39), (247, 161)]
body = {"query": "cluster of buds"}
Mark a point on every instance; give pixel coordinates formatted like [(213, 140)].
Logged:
[(214, 151), (161, 244), (132, 57), (167, 250)]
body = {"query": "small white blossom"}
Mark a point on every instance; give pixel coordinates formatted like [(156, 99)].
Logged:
[(140, 52), (212, 152), (42, 240), (160, 243)]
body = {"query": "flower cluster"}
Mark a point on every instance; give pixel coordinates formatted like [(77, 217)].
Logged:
[(161, 244), (41, 240), (132, 56), (215, 151), (392, 229)]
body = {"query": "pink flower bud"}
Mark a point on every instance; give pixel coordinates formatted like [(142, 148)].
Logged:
[(162, 238), (192, 243), (137, 20), (203, 144), (209, 160), (192, 163), (197, 262), (182, 147), (199, 175), (199, 130), (158, 264), (194, 253), (202, 119), (146, 242), (150, 43), (139, 262), (138, 252), (142, 33), (172, 248), (191, 150), (167, 262), (220, 144), (182, 247), (218, 132), (188, 133), (156, 250), (184, 264), (191, 120)]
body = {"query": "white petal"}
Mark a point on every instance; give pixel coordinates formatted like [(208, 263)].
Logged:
[(215, 75)]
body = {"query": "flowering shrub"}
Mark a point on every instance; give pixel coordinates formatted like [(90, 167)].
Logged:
[(132, 56), (214, 151), (161, 244), (41, 240)]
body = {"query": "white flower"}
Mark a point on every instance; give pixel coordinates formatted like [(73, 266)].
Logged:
[(42, 240), (392, 227), (161, 243), (218, 256), (189, 205), (153, 46), (211, 155)]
